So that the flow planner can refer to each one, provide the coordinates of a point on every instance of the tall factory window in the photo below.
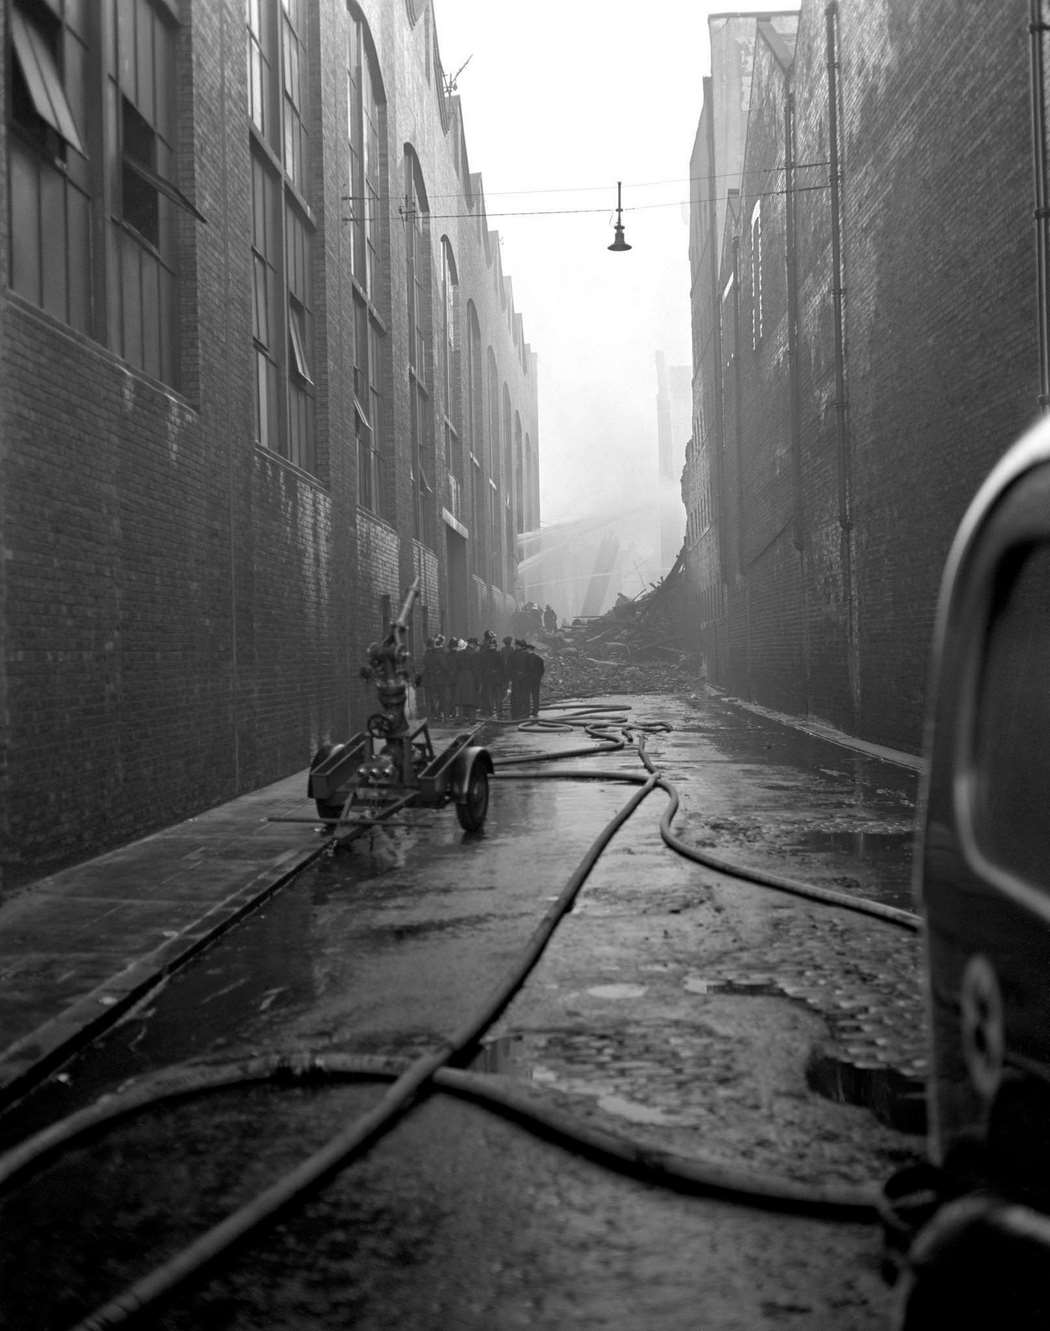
(506, 572)
(50, 175)
(282, 232)
(365, 128)
(450, 398)
(494, 537)
(475, 397)
(417, 232)
(527, 491)
(92, 170)
(756, 274)
(728, 334)
(142, 236)
(492, 432)
(519, 477)
(365, 124)
(504, 464)
(477, 518)
(367, 407)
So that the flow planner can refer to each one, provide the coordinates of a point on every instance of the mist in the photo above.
(560, 101)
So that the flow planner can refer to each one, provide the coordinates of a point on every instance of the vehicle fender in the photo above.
(462, 768)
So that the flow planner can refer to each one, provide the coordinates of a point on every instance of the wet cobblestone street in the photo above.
(694, 1012)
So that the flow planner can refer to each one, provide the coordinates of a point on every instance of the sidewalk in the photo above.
(78, 948)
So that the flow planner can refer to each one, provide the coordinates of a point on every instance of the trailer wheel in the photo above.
(471, 813)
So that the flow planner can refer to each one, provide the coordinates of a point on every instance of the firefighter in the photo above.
(533, 667)
(434, 676)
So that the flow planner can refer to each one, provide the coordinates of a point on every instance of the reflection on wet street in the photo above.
(710, 1016)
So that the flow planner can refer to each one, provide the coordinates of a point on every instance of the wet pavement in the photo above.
(696, 1012)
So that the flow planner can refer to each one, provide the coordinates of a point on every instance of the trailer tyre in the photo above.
(471, 812)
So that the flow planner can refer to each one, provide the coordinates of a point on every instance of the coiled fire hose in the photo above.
(436, 1069)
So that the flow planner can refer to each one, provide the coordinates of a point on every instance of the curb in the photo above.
(819, 730)
(29, 1060)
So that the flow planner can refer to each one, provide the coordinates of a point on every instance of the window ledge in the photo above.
(99, 349)
(315, 481)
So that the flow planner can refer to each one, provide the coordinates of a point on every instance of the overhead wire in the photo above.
(635, 184)
(565, 212)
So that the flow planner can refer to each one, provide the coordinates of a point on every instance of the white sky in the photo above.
(561, 99)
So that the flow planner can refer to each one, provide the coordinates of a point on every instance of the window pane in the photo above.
(79, 222)
(145, 94)
(361, 352)
(365, 495)
(36, 60)
(168, 361)
(25, 222)
(256, 86)
(53, 238)
(126, 45)
(131, 302)
(163, 75)
(260, 303)
(297, 337)
(150, 360)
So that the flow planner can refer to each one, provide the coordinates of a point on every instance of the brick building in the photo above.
(259, 368)
(865, 337)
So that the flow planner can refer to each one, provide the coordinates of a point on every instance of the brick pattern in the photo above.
(184, 614)
(831, 573)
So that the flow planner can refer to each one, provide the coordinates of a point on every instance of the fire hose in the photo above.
(436, 1069)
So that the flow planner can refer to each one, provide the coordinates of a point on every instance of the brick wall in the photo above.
(831, 568)
(184, 613)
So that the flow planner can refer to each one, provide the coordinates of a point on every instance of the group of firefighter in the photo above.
(465, 678)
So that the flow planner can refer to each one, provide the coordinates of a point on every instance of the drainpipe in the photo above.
(714, 251)
(845, 495)
(1037, 27)
(738, 436)
(738, 403)
(795, 386)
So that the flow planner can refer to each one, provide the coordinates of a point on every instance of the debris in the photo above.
(639, 646)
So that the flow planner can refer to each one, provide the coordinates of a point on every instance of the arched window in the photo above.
(529, 492)
(475, 432)
(519, 477)
(420, 339)
(491, 443)
(451, 396)
(365, 130)
(504, 441)
(474, 382)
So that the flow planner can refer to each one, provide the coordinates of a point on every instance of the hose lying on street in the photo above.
(353, 1140)
(826, 896)
(436, 1069)
(617, 1150)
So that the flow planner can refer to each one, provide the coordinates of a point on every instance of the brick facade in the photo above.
(185, 610)
(841, 447)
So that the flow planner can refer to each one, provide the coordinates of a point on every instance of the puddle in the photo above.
(617, 991)
(632, 1111)
(897, 1100)
(762, 986)
(510, 1055)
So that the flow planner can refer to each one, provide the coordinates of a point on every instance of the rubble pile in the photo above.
(639, 646)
